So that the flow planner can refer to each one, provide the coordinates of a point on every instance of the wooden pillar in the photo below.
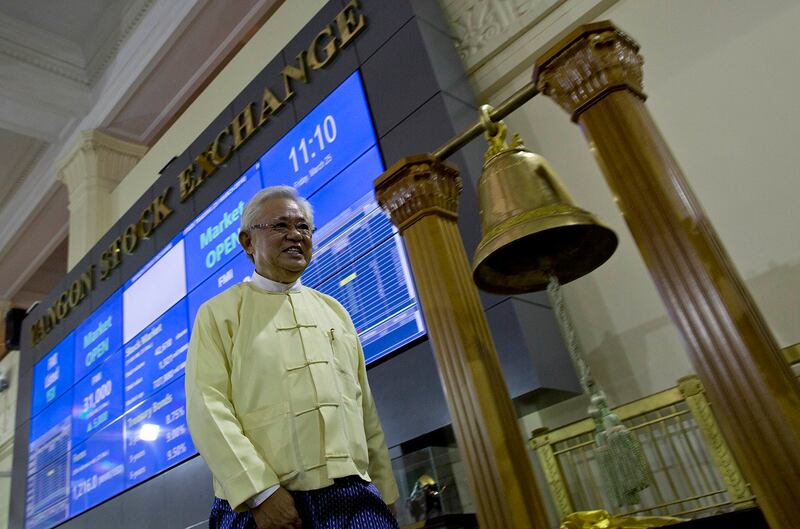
(595, 74)
(421, 196)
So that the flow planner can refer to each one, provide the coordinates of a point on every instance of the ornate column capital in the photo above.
(91, 170)
(98, 159)
(418, 186)
(588, 64)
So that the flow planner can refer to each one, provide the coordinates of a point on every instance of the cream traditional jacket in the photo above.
(277, 392)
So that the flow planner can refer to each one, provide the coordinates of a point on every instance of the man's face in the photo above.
(280, 250)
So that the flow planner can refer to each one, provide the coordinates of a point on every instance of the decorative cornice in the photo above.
(33, 154)
(480, 28)
(136, 57)
(33, 45)
(98, 64)
(31, 194)
(596, 59)
(36, 257)
(418, 186)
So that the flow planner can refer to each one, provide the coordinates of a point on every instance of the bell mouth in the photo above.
(522, 253)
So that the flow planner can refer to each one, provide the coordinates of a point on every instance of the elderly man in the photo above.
(277, 397)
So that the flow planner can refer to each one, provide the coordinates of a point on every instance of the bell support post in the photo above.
(420, 193)
(595, 74)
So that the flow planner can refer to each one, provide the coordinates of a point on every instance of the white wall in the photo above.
(721, 78)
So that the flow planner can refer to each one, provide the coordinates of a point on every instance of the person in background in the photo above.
(277, 398)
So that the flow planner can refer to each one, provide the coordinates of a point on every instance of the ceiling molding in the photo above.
(151, 40)
(46, 229)
(114, 41)
(40, 48)
(31, 195)
(21, 170)
(23, 114)
(58, 55)
(35, 259)
(218, 57)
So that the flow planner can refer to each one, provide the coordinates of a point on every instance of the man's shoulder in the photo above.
(330, 301)
(228, 299)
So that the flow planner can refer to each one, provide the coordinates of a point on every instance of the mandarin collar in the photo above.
(273, 286)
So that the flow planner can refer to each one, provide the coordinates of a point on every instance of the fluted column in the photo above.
(421, 196)
(595, 74)
(91, 171)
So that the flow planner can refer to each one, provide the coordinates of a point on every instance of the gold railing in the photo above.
(792, 354)
(692, 470)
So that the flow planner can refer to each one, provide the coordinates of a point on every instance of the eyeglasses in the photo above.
(282, 228)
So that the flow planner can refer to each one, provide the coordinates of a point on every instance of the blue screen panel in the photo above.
(97, 468)
(213, 238)
(349, 187)
(349, 228)
(154, 289)
(401, 328)
(324, 142)
(98, 336)
(375, 291)
(157, 355)
(53, 374)
(156, 434)
(47, 496)
(239, 269)
(98, 399)
(50, 433)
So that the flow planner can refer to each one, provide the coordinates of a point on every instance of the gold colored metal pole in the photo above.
(420, 193)
(517, 99)
(595, 74)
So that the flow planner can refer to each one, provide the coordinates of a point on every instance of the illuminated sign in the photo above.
(97, 399)
(98, 336)
(213, 238)
(52, 375)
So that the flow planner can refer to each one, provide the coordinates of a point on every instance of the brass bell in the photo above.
(532, 229)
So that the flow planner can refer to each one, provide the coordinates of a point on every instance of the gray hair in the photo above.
(253, 208)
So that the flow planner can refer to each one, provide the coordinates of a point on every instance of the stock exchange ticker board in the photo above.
(108, 408)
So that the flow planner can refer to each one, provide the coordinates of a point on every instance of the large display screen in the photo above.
(108, 408)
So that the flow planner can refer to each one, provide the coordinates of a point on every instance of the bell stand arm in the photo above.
(517, 99)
